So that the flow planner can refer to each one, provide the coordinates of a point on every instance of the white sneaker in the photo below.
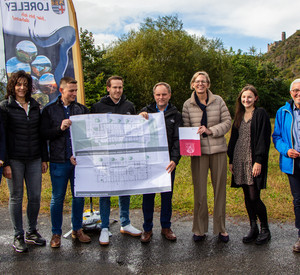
(129, 229)
(104, 237)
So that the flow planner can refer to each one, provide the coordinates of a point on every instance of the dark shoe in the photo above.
(34, 238)
(264, 236)
(82, 237)
(168, 234)
(19, 244)
(296, 247)
(146, 236)
(224, 239)
(199, 238)
(253, 233)
(55, 241)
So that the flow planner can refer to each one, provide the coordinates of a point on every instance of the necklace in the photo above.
(22, 103)
(248, 115)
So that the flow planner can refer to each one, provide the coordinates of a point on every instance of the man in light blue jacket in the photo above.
(286, 138)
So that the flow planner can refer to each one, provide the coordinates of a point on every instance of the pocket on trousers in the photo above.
(57, 170)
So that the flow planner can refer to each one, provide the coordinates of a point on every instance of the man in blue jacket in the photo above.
(286, 138)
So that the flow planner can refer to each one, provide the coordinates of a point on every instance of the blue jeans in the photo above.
(60, 174)
(295, 189)
(124, 202)
(165, 211)
(31, 171)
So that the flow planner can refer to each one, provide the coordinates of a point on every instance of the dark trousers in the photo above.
(295, 189)
(254, 205)
(165, 211)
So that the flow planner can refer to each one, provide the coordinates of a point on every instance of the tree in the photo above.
(95, 68)
(250, 69)
(252, 50)
(2, 84)
(162, 51)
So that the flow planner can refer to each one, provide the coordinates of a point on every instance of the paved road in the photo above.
(127, 255)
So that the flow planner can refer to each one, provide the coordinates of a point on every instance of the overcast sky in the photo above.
(239, 24)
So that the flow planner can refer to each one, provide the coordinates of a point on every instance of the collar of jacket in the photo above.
(153, 109)
(211, 97)
(291, 102)
(12, 102)
(107, 100)
(170, 110)
(60, 102)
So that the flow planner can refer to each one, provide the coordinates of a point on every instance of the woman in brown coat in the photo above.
(210, 114)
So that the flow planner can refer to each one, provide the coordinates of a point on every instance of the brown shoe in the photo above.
(168, 234)
(146, 236)
(55, 241)
(296, 247)
(83, 238)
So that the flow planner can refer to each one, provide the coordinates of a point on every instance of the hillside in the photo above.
(286, 56)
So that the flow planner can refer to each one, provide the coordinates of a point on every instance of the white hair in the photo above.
(295, 81)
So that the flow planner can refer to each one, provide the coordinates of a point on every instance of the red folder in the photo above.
(189, 141)
(190, 147)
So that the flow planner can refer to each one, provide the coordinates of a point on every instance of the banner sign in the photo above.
(38, 39)
(120, 154)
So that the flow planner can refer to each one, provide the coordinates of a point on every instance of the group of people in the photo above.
(29, 139)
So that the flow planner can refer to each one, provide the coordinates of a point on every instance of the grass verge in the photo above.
(277, 197)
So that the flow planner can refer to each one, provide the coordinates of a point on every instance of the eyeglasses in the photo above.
(200, 82)
(295, 91)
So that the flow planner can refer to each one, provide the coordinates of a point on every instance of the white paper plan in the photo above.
(120, 154)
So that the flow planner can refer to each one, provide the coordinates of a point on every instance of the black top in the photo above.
(23, 140)
(260, 145)
(52, 116)
(173, 121)
(106, 105)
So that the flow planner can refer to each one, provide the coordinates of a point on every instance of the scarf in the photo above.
(203, 109)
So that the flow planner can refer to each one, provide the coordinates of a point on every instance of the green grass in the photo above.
(277, 196)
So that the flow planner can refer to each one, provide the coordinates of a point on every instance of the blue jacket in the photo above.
(283, 136)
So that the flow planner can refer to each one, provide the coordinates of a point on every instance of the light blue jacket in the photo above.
(283, 136)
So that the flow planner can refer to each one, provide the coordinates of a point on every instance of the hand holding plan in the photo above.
(144, 115)
(120, 155)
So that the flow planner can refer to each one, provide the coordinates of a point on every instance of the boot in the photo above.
(253, 233)
(264, 236)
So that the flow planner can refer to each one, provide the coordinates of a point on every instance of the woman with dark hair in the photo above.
(248, 152)
(26, 157)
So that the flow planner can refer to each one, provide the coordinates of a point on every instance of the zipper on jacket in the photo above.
(292, 136)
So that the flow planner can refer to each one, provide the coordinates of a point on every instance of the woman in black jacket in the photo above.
(248, 151)
(26, 157)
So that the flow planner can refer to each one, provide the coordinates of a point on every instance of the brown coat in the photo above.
(218, 121)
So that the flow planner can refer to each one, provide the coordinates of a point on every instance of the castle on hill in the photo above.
(276, 43)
